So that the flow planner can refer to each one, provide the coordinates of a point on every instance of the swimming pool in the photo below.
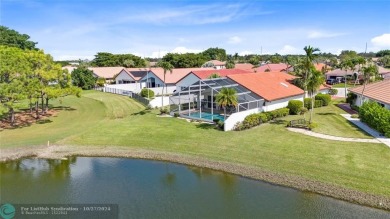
(206, 116)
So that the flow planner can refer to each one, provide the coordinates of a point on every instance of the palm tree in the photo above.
(167, 67)
(308, 64)
(347, 64)
(314, 82)
(368, 72)
(227, 97)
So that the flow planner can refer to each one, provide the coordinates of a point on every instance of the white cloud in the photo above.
(289, 50)
(180, 50)
(234, 40)
(382, 40)
(246, 52)
(323, 34)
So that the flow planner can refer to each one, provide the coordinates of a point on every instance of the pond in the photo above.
(154, 189)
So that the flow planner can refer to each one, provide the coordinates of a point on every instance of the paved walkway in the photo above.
(347, 108)
(367, 129)
(331, 137)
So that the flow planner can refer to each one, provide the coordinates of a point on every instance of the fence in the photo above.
(127, 93)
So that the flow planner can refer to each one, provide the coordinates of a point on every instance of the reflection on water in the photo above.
(151, 189)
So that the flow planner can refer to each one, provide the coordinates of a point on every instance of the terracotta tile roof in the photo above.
(379, 91)
(204, 74)
(244, 66)
(383, 70)
(106, 72)
(176, 75)
(272, 67)
(269, 85)
(321, 66)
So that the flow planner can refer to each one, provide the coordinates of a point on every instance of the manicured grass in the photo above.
(341, 85)
(108, 119)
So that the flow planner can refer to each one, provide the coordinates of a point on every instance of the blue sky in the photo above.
(79, 29)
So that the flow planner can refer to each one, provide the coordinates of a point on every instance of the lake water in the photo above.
(154, 189)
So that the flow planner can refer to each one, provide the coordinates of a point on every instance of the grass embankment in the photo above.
(108, 119)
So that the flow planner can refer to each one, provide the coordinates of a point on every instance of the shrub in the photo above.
(333, 91)
(176, 114)
(251, 120)
(376, 117)
(307, 103)
(325, 98)
(295, 106)
(351, 97)
(355, 116)
(256, 119)
(164, 110)
(354, 107)
(144, 92)
(220, 124)
(303, 110)
(318, 103)
(263, 118)
(312, 126)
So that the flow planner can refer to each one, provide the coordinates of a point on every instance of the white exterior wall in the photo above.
(133, 87)
(187, 81)
(238, 117)
(277, 104)
(167, 90)
(123, 76)
(158, 81)
(365, 99)
(156, 102)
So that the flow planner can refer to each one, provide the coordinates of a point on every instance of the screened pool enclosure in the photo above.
(198, 101)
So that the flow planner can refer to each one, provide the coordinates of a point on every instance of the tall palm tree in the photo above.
(368, 72)
(227, 97)
(314, 82)
(347, 64)
(308, 65)
(167, 67)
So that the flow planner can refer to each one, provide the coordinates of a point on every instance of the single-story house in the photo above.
(256, 92)
(214, 64)
(377, 91)
(340, 73)
(130, 75)
(196, 75)
(384, 72)
(107, 73)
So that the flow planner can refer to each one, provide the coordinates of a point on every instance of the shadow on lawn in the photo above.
(326, 114)
(143, 112)
(66, 108)
(206, 126)
(279, 122)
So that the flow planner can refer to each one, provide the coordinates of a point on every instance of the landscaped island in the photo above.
(101, 124)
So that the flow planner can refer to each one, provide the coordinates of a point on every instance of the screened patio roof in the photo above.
(243, 94)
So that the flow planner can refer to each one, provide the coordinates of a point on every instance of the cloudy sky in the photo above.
(80, 28)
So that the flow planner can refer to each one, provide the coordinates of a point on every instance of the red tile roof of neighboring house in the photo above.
(379, 91)
(272, 67)
(244, 66)
(322, 66)
(269, 85)
(204, 74)
(217, 62)
(176, 75)
(106, 72)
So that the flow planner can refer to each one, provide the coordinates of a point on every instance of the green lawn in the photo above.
(108, 119)
(341, 85)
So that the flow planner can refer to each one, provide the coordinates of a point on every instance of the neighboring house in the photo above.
(384, 72)
(130, 75)
(340, 73)
(280, 67)
(377, 91)
(197, 75)
(256, 92)
(214, 64)
(244, 66)
(322, 67)
(107, 73)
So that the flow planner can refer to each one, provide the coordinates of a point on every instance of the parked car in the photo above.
(331, 81)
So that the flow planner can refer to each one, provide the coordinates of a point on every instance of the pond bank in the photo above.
(59, 152)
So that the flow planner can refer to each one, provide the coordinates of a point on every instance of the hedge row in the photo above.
(376, 117)
(256, 119)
